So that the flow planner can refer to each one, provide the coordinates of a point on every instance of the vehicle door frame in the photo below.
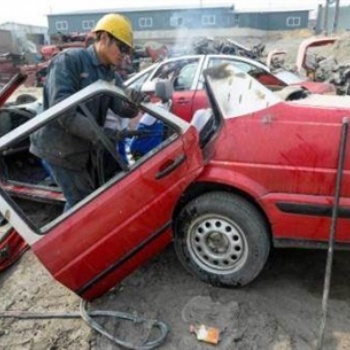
(18, 219)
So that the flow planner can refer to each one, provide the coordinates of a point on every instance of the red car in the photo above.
(185, 73)
(251, 173)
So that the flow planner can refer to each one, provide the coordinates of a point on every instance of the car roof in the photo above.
(238, 58)
(189, 57)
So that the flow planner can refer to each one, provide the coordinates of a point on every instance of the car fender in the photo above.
(220, 173)
(217, 177)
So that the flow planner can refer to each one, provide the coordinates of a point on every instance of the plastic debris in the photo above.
(206, 334)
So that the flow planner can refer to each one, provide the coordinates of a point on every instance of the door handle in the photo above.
(170, 166)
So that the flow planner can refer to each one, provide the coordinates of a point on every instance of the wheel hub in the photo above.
(217, 244)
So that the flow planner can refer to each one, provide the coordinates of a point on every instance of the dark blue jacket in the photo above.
(68, 141)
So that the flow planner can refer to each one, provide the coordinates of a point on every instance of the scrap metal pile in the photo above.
(316, 66)
(10, 64)
(227, 47)
(327, 69)
(142, 56)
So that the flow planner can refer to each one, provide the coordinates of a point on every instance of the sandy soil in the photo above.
(279, 311)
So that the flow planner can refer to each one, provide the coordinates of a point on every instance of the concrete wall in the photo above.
(290, 20)
(191, 19)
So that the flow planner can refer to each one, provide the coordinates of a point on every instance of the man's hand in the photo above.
(136, 96)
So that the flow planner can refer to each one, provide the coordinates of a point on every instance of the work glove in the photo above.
(136, 96)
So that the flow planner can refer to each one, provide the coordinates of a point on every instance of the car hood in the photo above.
(236, 93)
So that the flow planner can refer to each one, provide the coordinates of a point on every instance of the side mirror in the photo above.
(148, 87)
(164, 89)
(161, 88)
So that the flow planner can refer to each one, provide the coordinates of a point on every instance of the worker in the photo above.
(66, 144)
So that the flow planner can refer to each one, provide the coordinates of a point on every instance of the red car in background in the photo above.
(186, 75)
(251, 173)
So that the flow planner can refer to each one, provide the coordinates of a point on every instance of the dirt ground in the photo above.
(281, 310)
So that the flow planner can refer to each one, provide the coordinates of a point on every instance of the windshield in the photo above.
(138, 79)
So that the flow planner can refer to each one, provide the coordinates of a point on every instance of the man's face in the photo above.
(112, 51)
(117, 51)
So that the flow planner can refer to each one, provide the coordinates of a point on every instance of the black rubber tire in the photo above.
(222, 238)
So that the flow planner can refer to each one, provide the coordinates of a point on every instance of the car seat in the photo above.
(152, 131)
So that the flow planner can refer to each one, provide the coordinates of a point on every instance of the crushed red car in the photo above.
(250, 173)
(186, 75)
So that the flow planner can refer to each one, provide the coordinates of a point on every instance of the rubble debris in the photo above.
(209, 45)
(276, 59)
(206, 334)
(315, 66)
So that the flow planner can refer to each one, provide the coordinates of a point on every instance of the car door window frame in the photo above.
(8, 206)
(200, 59)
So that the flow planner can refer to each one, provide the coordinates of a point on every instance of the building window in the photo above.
(176, 21)
(88, 24)
(208, 20)
(293, 21)
(145, 22)
(62, 25)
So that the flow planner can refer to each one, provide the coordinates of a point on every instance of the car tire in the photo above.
(222, 238)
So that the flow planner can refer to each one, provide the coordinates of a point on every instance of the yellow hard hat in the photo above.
(118, 26)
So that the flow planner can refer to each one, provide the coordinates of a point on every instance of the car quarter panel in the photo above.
(285, 157)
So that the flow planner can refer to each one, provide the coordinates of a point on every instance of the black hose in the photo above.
(329, 263)
(87, 317)
(147, 345)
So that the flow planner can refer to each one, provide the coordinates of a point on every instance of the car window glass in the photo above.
(181, 73)
(185, 78)
(121, 145)
(137, 84)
